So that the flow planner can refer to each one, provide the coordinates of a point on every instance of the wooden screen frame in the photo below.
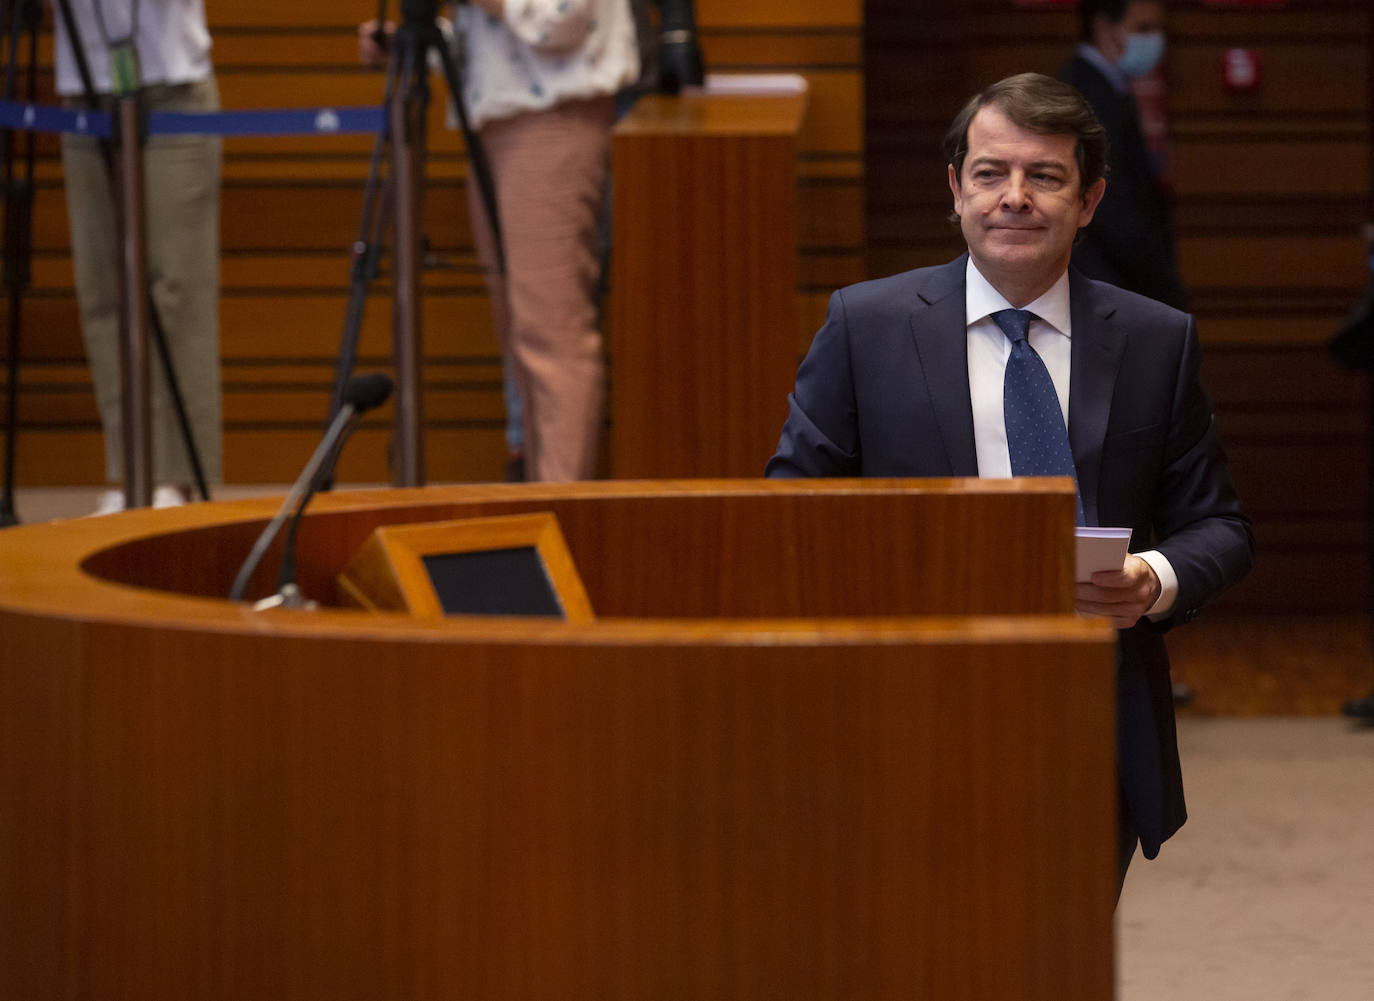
(389, 574)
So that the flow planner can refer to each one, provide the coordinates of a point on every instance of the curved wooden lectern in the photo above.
(830, 739)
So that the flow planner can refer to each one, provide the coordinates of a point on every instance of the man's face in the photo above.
(1020, 204)
(1141, 17)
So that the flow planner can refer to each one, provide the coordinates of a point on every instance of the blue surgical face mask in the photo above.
(1143, 53)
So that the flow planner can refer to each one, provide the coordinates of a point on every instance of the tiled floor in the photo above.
(1267, 893)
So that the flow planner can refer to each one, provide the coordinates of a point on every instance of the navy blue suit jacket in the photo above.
(884, 392)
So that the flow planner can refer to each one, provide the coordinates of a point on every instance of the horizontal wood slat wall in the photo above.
(1273, 187)
(291, 208)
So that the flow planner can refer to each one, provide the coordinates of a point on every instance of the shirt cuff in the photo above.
(1168, 585)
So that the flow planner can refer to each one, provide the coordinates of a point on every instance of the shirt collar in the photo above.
(1103, 65)
(982, 300)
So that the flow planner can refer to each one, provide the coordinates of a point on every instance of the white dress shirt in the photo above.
(173, 42)
(1051, 333)
(988, 351)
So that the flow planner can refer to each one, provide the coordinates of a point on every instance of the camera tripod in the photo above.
(139, 315)
(21, 19)
(398, 202)
(678, 64)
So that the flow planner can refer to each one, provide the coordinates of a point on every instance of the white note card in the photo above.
(1100, 549)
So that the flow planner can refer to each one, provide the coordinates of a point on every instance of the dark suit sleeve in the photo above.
(821, 435)
(1198, 521)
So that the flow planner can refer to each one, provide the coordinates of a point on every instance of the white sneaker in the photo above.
(110, 502)
(170, 496)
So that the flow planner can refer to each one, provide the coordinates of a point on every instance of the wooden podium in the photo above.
(704, 283)
(824, 739)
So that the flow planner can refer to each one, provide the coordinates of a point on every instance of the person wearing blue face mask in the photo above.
(1130, 242)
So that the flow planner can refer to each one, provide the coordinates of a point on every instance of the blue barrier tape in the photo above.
(38, 118)
(292, 122)
(302, 121)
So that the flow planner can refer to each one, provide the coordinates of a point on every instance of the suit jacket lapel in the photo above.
(1098, 343)
(939, 327)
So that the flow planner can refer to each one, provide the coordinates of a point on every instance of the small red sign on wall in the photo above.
(1240, 68)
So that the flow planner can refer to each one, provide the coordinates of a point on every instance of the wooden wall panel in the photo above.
(290, 211)
(1272, 189)
(1240, 165)
(841, 14)
(1299, 260)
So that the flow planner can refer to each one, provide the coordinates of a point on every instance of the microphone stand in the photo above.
(299, 494)
(289, 594)
(361, 394)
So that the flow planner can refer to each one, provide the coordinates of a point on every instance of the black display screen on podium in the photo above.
(493, 582)
(515, 565)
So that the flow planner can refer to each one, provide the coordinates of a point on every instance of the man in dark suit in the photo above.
(906, 378)
(1130, 242)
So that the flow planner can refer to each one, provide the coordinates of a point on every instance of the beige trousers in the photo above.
(182, 185)
(550, 169)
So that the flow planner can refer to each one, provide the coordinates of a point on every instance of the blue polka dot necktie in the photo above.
(1036, 436)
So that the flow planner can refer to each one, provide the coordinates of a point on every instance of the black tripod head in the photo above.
(26, 14)
(423, 11)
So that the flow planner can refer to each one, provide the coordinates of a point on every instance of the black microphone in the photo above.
(367, 391)
(362, 392)
(679, 53)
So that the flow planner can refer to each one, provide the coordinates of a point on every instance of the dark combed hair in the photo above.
(1039, 104)
(1090, 10)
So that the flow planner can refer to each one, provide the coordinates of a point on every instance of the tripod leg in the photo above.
(18, 202)
(183, 221)
(364, 268)
(407, 99)
(477, 156)
(135, 423)
(162, 349)
(407, 121)
(8, 514)
(22, 17)
(366, 251)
